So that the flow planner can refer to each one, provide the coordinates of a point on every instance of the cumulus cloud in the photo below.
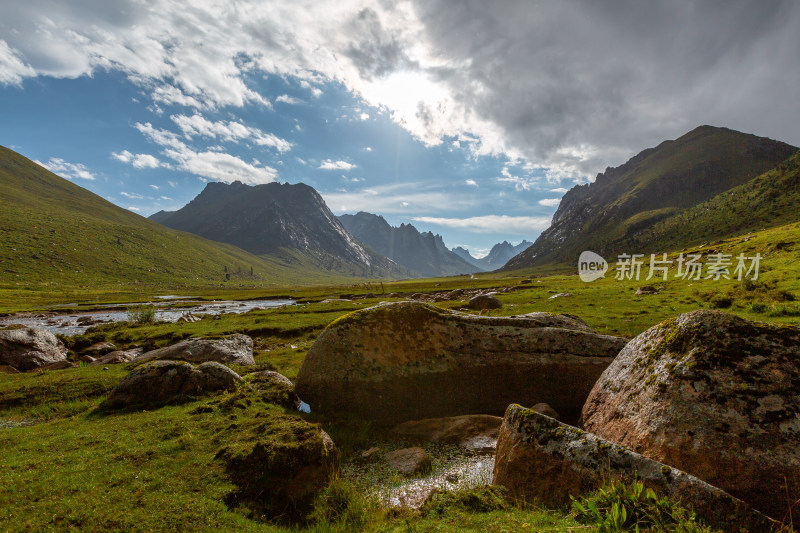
(329, 164)
(569, 87)
(286, 99)
(492, 223)
(227, 131)
(67, 170)
(137, 160)
(133, 196)
(549, 202)
(472, 183)
(398, 198)
(213, 165)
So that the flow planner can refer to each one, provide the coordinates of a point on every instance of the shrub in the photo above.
(142, 314)
(476, 500)
(630, 507)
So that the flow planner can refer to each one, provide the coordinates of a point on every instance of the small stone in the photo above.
(409, 461)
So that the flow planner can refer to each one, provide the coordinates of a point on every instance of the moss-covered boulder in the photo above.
(274, 388)
(541, 459)
(715, 395)
(410, 360)
(162, 382)
(279, 463)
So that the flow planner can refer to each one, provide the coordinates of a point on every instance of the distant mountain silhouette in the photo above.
(278, 220)
(424, 253)
(497, 257)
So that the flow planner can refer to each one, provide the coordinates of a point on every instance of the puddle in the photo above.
(69, 324)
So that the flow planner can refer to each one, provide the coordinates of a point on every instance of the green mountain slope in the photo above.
(55, 233)
(652, 186)
(769, 200)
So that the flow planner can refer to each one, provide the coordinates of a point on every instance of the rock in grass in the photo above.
(30, 348)
(161, 382)
(274, 388)
(118, 356)
(484, 301)
(279, 464)
(715, 395)
(232, 349)
(539, 458)
(476, 433)
(409, 361)
(99, 348)
(409, 461)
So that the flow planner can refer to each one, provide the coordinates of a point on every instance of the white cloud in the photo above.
(12, 67)
(286, 99)
(134, 209)
(472, 183)
(137, 160)
(133, 195)
(228, 131)
(569, 86)
(173, 184)
(364, 116)
(155, 187)
(550, 202)
(167, 198)
(368, 148)
(329, 164)
(389, 199)
(561, 190)
(492, 223)
(67, 170)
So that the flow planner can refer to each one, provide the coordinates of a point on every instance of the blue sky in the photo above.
(467, 122)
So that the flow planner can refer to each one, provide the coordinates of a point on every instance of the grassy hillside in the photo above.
(769, 200)
(55, 235)
(652, 186)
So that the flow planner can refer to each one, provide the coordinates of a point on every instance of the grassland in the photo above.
(65, 466)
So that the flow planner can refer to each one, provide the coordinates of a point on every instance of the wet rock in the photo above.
(280, 466)
(409, 461)
(477, 433)
(409, 361)
(539, 458)
(30, 348)
(189, 318)
(233, 349)
(274, 388)
(545, 409)
(87, 359)
(484, 301)
(715, 395)
(99, 348)
(58, 365)
(161, 382)
(118, 356)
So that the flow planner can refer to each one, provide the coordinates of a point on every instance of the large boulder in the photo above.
(274, 387)
(484, 301)
(162, 382)
(475, 432)
(714, 395)
(541, 459)
(234, 349)
(30, 348)
(409, 461)
(279, 465)
(409, 360)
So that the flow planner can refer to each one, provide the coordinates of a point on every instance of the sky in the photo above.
(462, 117)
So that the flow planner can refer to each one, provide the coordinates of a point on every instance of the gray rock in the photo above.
(30, 348)
(539, 458)
(715, 395)
(99, 348)
(646, 289)
(118, 356)
(409, 361)
(161, 382)
(233, 349)
(484, 301)
(561, 295)
(409, 461)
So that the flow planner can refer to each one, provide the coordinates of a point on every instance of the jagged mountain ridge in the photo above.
(272, 218)
(500, 254)
(424, 253)
(654, 185)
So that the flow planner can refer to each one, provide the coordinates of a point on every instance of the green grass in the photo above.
(156, 470)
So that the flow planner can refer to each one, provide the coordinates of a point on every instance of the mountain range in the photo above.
(614, 214)
(500, 254)
(274, 219)
(424, 253)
